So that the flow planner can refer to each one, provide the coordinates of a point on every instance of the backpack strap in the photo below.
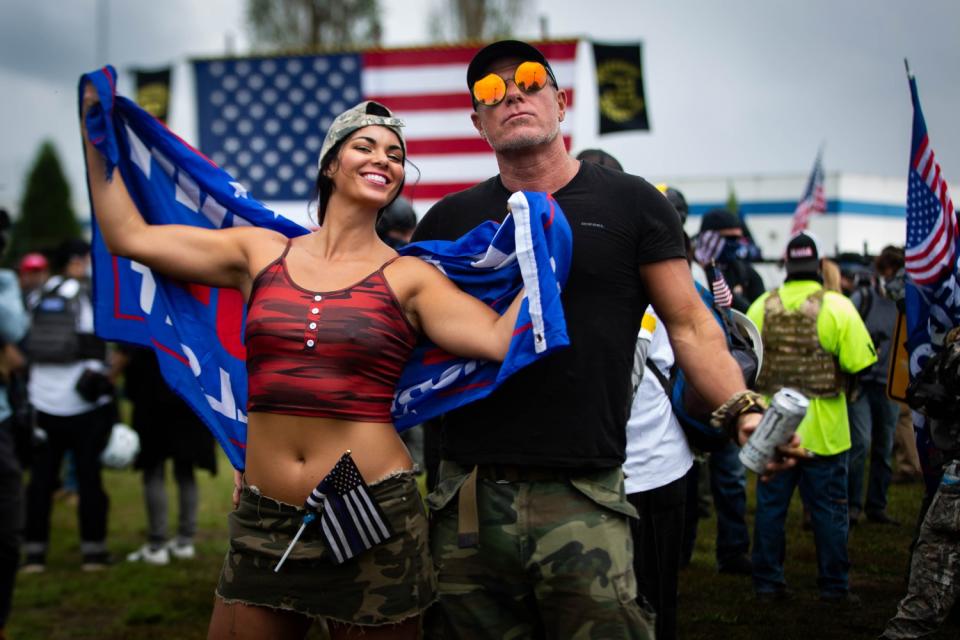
(662, 379)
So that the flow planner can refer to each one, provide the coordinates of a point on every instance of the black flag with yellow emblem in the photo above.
(153, 91)
(620, 88)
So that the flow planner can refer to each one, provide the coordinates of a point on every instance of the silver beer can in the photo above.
(780, 420)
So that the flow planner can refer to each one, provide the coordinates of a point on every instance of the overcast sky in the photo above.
(740, 87)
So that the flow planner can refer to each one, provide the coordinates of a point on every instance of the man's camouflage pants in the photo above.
(935, 567)
(554, 559)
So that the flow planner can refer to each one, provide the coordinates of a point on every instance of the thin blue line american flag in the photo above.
(813, 200)
(931, 249)
(350, 519)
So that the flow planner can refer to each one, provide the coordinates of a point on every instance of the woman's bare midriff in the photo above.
(287, 455)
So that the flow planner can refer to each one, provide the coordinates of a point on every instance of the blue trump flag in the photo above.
(932, 295)
(530, 248)
(197, 331)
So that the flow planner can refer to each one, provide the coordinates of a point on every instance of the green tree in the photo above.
(314, 24)
(46, 216)
(456, 20)
(732, 205)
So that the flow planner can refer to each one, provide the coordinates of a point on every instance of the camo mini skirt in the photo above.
(384, 585)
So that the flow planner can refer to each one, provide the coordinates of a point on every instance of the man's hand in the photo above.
(788, 454)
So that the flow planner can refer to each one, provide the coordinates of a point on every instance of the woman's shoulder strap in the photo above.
(389, 262)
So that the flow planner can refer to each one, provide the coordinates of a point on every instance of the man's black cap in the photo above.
(718, 220)
(803, 254)
(504, 49)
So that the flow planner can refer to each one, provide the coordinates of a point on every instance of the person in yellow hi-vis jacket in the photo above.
(812, 340)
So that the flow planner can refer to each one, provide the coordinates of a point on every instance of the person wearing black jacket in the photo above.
(744, 281)
(168, 430)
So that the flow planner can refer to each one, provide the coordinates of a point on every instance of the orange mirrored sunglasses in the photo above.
(529, 77)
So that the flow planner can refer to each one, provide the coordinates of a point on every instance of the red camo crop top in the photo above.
(334, 354)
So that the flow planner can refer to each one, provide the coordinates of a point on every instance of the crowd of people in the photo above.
(565, 503)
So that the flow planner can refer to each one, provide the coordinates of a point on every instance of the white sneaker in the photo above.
(151, 556)
(182, 551)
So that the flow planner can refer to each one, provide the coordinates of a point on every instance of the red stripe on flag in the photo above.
(445, 146)
(522, 328)
(920, 151)
(437, 146)
(426, 101)
(927, 166)
(170, 351)
(554, 52)
(434, 191)
(939, 262)
(922, 255)
(942, 262)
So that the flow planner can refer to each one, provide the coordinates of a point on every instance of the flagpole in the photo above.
(906, 65)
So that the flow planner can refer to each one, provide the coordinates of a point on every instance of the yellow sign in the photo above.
(618, 95)
(154, 98)
(898, 375)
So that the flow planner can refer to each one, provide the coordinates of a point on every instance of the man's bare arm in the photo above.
(697, 340)
(699, 344)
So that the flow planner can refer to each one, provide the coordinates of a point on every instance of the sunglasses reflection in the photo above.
(529, 77)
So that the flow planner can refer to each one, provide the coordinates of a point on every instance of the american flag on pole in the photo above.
(813, 200)
(722, 296)
(350, 519)
(264, 119)
(932, 301)
(931, 250)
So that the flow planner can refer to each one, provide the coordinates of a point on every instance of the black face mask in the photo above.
(730, 250)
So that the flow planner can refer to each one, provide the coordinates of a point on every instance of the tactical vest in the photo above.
(792, 354)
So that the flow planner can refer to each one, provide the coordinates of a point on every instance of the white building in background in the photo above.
(864, 213)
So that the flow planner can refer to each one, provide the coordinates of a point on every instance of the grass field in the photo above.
(174, 601)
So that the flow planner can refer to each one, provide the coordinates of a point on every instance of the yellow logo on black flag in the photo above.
(153, 91)
(620, 88)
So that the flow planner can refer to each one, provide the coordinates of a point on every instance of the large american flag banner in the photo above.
(813, 200)
(264, 119)
(197, 331)
(932, 291)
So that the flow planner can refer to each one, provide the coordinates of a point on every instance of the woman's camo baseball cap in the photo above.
(365, 114)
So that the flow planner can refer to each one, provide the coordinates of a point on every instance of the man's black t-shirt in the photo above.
(570, 408)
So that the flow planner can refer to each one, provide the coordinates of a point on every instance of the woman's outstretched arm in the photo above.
(219, 258)
(454, 320)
